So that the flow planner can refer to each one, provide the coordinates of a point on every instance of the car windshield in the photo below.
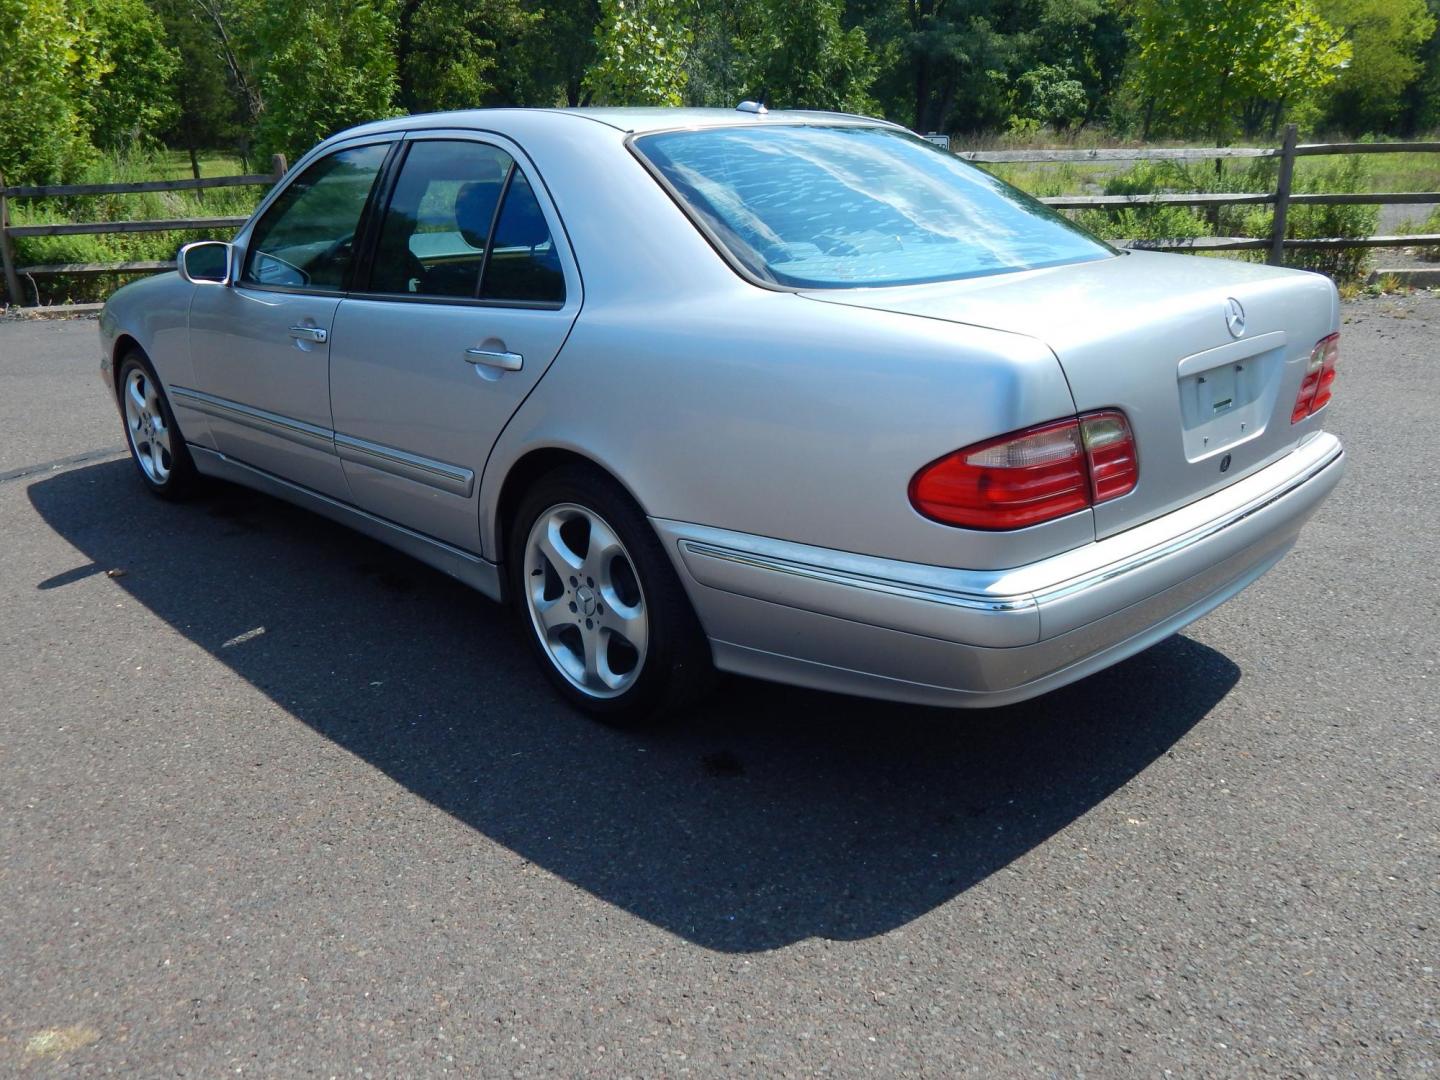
(846, 206)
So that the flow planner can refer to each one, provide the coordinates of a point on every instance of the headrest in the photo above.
(522, 224)
(475, 209)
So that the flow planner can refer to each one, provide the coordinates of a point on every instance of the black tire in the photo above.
(175, 476)
(675, 670)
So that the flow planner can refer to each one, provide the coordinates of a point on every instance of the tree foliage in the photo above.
(328, 64)
(42, 134)
(77, 76)
(1385, 37)
(451, 52)
(797, 54)
(130, 100)
(639, 53)
(1201, 65)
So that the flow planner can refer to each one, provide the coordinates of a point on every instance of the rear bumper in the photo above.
(939, 636)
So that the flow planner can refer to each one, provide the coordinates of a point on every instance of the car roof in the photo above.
(628, 121)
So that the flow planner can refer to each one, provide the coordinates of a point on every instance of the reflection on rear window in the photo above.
(836, 207)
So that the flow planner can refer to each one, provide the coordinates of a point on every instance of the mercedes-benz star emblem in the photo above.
(1234, 317)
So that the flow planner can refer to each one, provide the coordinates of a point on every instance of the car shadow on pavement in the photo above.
(770, 816)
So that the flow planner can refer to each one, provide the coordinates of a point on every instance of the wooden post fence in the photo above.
(1274, 246)
(11, 273)
(1282, 197)
(7, 249)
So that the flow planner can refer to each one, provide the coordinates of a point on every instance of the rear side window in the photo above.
(438, 223)
(306, 240)
(463, 223)
(815, 206)
(523, 263)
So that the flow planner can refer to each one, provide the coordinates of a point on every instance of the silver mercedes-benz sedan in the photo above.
(794, 395)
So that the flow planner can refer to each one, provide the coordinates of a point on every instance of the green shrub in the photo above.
(1154, 223)
(1313, 222)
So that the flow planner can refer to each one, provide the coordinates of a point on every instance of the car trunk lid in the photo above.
(1204, 356)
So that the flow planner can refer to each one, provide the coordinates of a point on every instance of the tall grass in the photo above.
(122, 247)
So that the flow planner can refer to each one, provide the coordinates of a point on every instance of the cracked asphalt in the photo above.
(276, 800)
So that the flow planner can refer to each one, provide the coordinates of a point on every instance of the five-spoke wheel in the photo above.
(601, 602)
(145, 425)
(155, 443)
(585, 600)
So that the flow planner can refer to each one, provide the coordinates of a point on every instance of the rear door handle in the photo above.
(309, 333)
(496, 358)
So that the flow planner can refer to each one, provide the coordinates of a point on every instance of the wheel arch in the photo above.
(124, 342)
(523, 474)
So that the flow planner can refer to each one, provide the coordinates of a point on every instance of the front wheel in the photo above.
(601, 604)
(155, 443)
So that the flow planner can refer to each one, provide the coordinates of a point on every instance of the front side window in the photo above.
(841, 207)
(306, 240)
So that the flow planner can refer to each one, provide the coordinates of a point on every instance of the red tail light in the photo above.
(1030, 476)
(1319, 377)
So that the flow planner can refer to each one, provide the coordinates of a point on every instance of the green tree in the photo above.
(235, 28)
(327, 65)
(797, 54)
(1204, 66)
(713, 69)
(1386, 37)
(640, 48)
(43, 134)
(558, 53)
(958, 56)
(1050, 94)
(131, 100)
(1421, 106)
(451, 51)
(208, 113)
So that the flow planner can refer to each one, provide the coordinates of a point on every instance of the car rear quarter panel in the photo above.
(722, 403)
(761, 412)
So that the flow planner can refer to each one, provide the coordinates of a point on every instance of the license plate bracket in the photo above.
(1227, 395)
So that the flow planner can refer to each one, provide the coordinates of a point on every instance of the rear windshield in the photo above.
(839, 207)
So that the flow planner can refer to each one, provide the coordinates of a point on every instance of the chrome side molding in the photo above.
(421, 470)
(452, 479)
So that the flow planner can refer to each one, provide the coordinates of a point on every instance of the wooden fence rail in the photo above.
(8, 232)
(1282, 198)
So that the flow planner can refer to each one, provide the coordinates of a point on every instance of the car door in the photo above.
(261, 348)
(469, 294)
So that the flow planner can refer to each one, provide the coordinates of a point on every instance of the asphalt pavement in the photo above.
(276, 800)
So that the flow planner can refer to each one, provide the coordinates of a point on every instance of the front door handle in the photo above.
(496, 358)
(309, 333)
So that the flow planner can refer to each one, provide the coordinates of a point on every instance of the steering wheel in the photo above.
(341, 248)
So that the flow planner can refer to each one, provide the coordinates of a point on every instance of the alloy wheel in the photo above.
(145, 426)
(585, 600)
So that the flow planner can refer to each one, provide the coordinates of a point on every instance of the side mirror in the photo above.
(205, 262)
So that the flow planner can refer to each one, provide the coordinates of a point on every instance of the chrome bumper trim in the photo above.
(950, 598)
(1191, 538)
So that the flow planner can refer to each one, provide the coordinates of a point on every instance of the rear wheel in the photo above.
(601, 604)
(156, 446)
